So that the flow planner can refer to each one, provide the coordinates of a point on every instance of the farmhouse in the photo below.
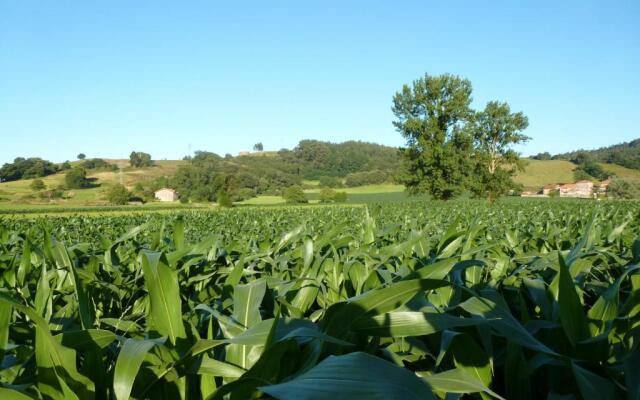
(547, 190)
(166, 194)
(583, 189)
(604, 186)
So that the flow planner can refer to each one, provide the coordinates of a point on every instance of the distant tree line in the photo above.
(317, 158)
(27, 168)
(626, 154)
(334, 164)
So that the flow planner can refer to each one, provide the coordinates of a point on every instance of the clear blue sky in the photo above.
(164, 77)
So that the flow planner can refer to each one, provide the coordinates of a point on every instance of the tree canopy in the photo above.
(451, 148)
(495, 130)
(118, 195)
(431, 115)
(27, 168)
(140, 159)
(76, 178)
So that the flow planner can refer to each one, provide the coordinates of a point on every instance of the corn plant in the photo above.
(422, 300)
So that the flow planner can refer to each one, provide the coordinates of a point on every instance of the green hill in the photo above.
(18, 193)
(543, 172)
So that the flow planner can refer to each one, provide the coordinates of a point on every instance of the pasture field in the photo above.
(520, 299)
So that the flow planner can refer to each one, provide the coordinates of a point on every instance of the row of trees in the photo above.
(451, 148)
(35, 167)
(626, 154)
(27, 168)
(588, 169)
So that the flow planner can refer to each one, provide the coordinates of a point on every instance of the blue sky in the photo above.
(167, 77)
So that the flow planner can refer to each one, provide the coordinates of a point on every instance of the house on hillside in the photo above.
(582, 189)
(244, 153)
(547, 190)
(603, 187)
(166, 194)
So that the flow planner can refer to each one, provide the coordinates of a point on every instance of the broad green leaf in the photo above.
(501, 320)
(55, 362)
(130, 359)
(571, 311)
(341, 316)
(164, 294)
(10, 394)
(352, 376)
(592, 386)
(457, 381)
(86, 340)
(409, 323)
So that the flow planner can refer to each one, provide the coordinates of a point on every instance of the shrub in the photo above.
(294, 194)
(37, 184)
(623, 189)
(340, 197)
(327, 195)
(243, 194)
(118, 195)
(366, 178)
(330, 182)
(223, 199)
(52, 194)
(76, 178)
(100, 164)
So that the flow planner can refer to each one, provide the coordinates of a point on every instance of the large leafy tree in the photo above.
(431, 114)
(139, 159)
(495, 130)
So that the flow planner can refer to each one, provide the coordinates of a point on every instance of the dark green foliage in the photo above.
(223, 199)
(118, 195)
(418, 300)
(450, 148)
(366, 178)
(26, 168)
(340, 197)
(430, 115)
(76, 178)
(294, 194)
(241, 178)
(495, 130)
(139, 159)
(330, 182)
(314, 158)
(327, 195)
(37, 184)
(81, 156)
(99, 164)
(624, 189)
(590, 170)
(580, 175)
(587, 167)
(542, 156)
(258, 146)
(626, 154)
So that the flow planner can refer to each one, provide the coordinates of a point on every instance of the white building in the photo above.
(166, 194)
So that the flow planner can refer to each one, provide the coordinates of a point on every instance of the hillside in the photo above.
(542, 172)
(15, 193)
(626, 154)
(19, 192)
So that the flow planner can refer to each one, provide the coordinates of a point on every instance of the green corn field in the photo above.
(417, 300)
